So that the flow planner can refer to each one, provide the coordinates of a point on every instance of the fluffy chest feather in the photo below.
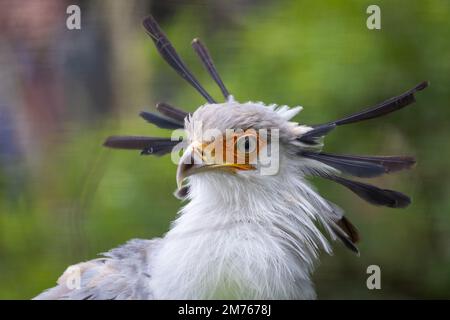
(228, 243)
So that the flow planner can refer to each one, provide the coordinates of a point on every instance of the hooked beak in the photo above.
(192, 163)
(189, 164)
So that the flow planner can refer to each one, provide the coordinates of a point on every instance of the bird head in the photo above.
(259, 142)
(240, 140)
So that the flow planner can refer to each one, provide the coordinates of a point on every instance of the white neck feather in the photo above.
(242, 237)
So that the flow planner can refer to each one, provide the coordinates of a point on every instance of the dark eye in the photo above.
(246, 144)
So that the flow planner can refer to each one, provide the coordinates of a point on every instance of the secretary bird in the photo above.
(242, 234)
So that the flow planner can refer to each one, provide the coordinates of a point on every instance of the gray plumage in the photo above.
(122, 273)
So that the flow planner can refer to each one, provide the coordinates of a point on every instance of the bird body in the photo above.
(243, 236)
(244, 232)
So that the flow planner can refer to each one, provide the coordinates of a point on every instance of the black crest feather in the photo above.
(374, 195)
(172, 112)
(169, 54)
(159, 121)
(379, 110)
(207, 61)
(147, 145)
(362, 166)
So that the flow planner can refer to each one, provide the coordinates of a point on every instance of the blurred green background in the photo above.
(64, 198)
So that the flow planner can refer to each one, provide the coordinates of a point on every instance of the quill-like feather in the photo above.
(349, 229)
(159, 121)
(374, 195)
(362, 166)
(344, 237)
(385, 107)
(207, 61)
(148, 145)
(358, 168)
(169, 54)
(381, 109)
(172, 112)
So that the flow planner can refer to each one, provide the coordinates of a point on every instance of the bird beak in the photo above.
(189, 164)
(192, 162)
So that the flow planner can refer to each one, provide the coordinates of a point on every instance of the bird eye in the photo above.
(246, 144)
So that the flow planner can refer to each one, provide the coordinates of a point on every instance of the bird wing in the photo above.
(122, 273)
